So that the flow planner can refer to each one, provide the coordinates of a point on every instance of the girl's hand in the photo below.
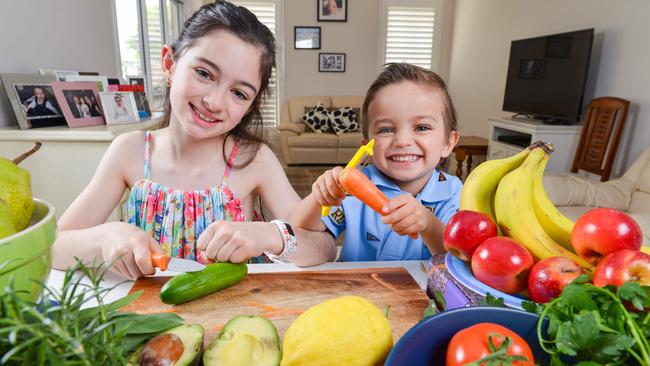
(131, 250)
(327, 189)
(236, 242)
(405, 215)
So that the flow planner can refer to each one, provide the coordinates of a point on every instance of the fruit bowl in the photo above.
(25, 256)
(462, 272)
(426, 343)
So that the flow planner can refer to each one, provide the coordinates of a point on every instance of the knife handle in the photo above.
(160, 260)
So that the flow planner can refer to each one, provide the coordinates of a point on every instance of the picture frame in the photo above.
(80, 103)
(332, 10)
(119, 107)
(101, 81)
(137, 80)
(142, 104)
(59, 74)
(331, 62)
(306, 38)
(21, 88)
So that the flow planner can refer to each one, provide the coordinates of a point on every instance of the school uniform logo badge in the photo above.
(337, 216)
(371, 237)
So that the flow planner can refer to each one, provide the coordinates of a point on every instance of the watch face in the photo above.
(289, 229)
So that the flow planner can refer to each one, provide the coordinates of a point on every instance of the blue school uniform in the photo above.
(368, 239)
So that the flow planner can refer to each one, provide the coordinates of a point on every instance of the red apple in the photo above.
(548, 277)
(502, 263)
(602, 231)
(623, 266)
(465, 231)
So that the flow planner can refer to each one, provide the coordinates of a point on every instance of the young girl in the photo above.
(411, 117)
(193, 183)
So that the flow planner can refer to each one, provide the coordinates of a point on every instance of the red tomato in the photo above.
(471, 344)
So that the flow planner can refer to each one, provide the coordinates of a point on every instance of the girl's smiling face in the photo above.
(213, 84)
(406, 121)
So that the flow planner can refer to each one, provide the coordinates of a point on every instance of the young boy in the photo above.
(409, 113)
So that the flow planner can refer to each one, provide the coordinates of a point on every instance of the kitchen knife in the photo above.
(175, 264)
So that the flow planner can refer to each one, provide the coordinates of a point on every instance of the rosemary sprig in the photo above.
(60, 332)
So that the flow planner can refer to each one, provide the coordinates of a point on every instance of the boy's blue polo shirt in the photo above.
(368, 239)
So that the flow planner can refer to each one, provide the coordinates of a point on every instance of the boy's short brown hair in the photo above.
(397, 72)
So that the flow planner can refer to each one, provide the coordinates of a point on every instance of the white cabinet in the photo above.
(67, 159)
(508, 136)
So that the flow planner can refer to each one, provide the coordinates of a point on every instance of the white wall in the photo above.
(55, 34)
(357, 38)
(620, 59)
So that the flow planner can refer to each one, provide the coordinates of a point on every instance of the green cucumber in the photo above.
(193, 285)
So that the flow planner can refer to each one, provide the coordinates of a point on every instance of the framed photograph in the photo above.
(331, 62)
(142, 104)
(32, 100)
(306, 38)
(119, 107)
(80, 102)
(137, 80)
(59, 74)
(332, 10)
(101, 81)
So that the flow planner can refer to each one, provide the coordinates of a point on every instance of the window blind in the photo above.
(265, 12)
(409, 35)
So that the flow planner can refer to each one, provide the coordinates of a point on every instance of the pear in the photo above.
(6, 222)
(16, 202)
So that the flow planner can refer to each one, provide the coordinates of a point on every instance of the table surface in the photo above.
(417, 269)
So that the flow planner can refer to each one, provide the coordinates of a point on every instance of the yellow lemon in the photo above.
(347, 330)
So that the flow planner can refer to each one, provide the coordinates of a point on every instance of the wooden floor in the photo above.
(302, 177)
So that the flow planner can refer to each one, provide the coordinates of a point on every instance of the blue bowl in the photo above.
(462, 272)
(426, 343)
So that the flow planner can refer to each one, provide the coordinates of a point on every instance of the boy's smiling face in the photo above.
(406, 121)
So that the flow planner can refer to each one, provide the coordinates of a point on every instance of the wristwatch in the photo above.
(288, 240)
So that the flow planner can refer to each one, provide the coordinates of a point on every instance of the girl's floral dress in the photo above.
(176, 219)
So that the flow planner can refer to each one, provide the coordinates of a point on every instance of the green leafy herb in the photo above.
(498, 355)
(60, 332)
(593, 325)
(436, 305)
(491, 300)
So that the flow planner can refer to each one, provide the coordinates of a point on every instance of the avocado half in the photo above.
(179, 346)
(245, 340)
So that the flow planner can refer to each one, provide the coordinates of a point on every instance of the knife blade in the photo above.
(175, 264)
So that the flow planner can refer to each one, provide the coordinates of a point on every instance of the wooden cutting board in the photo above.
(282, 296)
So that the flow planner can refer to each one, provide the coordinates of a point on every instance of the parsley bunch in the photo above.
(64, 332)
(593, 325)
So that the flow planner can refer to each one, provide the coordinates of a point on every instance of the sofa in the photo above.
(574, 194)
(299, 145)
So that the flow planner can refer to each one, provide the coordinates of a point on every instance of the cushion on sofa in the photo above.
(350, 140)
(315, 140)
(297, 106)
(574, 190)
(318, 119)
(343, 120)
(356, 102)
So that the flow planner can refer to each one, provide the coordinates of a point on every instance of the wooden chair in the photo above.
(601, 132)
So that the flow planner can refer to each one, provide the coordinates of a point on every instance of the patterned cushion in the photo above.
(317, 119)
(344, 120)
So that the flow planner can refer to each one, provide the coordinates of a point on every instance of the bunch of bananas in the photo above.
(510, 191)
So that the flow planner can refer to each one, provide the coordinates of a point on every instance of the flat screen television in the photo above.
(547, 76)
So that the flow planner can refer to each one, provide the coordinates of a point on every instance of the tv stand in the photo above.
(509, 136)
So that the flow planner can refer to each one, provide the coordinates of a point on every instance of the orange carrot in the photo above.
(357, 184)
(160, 260)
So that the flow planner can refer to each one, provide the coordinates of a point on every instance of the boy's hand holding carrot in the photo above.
(406, 216)
(327, 190)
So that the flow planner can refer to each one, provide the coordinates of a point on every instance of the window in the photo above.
(409, 35)
(144, 26)
(265, 12)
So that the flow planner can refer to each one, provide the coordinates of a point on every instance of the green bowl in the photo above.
(25, 257)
